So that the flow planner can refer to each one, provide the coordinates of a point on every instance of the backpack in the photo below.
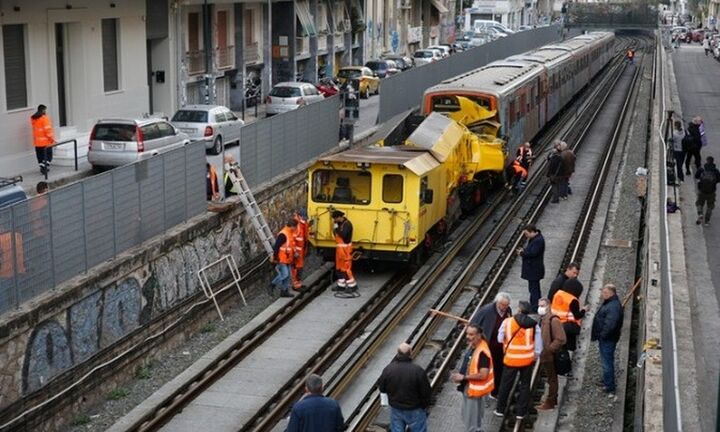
(706, 181)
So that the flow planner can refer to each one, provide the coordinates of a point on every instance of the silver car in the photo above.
(214, 124)
(426, 56)
(116, 142)
(288, 96)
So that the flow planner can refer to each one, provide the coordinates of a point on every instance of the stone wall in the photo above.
(56, 338)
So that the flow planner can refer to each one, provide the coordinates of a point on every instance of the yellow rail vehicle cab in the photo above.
(394, 196)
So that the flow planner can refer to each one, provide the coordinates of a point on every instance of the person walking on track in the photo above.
(283, 257)
(533, 266)
(553, 338)
(521, 338)
(343, 231)
(315, 412)
(475, 378)
(408, 390)
(43, 138)
(554, 166)
(678, 150)
(707, 179)
(566, 305)
(489, 318)
(606, 329)
(301, 237)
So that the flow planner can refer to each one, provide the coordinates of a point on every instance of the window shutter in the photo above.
(15, 68)
(110, 54)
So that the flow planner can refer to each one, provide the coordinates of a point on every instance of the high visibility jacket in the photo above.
(518, 169)
(561, 307)
(8, 258)
(286, 254)
(479, 388)
(42, 131)
(234, 189)
(524, 153)
(519, 344)
(301, 232)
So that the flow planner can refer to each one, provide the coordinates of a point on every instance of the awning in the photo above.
(439, 6)
(302, 10)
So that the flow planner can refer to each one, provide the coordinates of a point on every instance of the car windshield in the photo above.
(285, 92)
(349, 73)
(376, 65)
(190, 116)
(114, 132)
(423, 54)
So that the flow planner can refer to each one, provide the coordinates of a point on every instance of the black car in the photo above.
(403, 63)
(379, 67)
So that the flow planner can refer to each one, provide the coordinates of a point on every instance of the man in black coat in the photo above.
(606, 329)
(489, 318)
(694, 144)
(554, 166)
(533, 266)
(408, 390)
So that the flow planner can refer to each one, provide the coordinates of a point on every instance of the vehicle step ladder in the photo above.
(256, 217)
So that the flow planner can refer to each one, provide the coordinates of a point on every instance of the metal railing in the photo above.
(195, 61)
(225, 57)
(75, 153)
(251, 52)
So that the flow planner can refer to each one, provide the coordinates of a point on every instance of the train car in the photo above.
(401, 197)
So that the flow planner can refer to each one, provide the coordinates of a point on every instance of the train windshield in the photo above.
(449, 103)
(341, 186)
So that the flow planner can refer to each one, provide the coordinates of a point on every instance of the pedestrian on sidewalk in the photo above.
(523, 344)
(707, 179)
(283, 257)
(554, 165)
(43, 138)
(694, 144)
(553, 338)
(567, 169)
(566, 305)
(572, 271)
(533, 266)
(408, 390)
(489, 318)
(475, 378)
(606, 330)
(315, 412)
(678, 149)
(706, 45)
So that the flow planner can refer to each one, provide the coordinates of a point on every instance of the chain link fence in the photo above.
(49, 239)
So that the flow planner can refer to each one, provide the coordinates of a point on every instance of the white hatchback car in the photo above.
(426, 56)
(288, 96)
(443, 49)
(214, 124)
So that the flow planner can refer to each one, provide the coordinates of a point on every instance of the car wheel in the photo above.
(217, 146)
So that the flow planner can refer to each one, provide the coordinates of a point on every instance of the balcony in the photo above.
(225, 57)
(251, 53)
(340, 41)
(302, 46)
(322, 43)
(195, 62)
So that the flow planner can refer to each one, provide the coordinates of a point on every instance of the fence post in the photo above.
(13, 244)
(114, 213)
(50, 236)
(164, 187)
(84, 229)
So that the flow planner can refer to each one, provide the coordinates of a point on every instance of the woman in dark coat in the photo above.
(533, 266)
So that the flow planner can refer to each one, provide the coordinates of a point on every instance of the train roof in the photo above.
(546, 57)
(498, 76)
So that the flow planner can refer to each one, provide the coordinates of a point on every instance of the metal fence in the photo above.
(404, 91)
(49, 239)
(277, 145)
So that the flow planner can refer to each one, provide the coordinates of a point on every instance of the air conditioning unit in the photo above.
(404, 4)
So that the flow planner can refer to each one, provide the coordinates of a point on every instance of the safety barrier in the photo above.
(404, 91)
(49, 239)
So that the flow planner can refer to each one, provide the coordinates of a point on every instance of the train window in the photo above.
(523, 108)
(392, 190)
(513, 112)
(341, 186)
(423, 189)
(449, 103)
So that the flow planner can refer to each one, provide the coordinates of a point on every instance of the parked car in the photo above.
(697, 35)
(465, 43)
(426, 56)
(288, 96)
(393, 68)
(461, 45)
(116, 142)
(379, 67)
(10, 191)
(369, 82)
(214, 124)
(402, 62)
(444, 50)
(327, 87)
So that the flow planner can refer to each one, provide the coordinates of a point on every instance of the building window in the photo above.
(111, 73)
(249, 27)
(15, 67)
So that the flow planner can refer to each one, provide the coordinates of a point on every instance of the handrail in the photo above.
(58, 144)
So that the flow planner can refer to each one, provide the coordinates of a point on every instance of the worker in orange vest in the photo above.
(283, 258)
(211, 183)
(343, 231)
(524, 154)
(522, 340)
(43, 138)
(301, 236)
(475, 378)
(566, 305)
(516, 175)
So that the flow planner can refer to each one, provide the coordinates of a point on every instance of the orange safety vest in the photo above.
(301, 232)
(519, 169)
(42, 131)
(519, 344)
(286, 254)
(213, 180)
(479, 388)
(561, 307)
(7, 263)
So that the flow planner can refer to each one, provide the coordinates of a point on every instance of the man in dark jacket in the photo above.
(408, 389)
(315, 412)
(567, 169)
(606, 329)
(694, 144)
(572, 329)
(489, 318)
(533, 266)
(553, 337)
(708, 177)
(571, 272)
(554, 165)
